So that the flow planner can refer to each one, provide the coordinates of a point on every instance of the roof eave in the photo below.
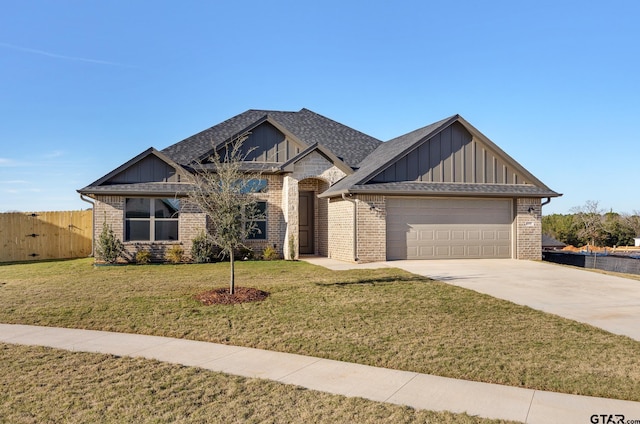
(448, 193)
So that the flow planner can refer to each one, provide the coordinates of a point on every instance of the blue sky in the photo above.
(85, 86)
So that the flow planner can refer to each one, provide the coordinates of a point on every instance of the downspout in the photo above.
(93, 222)
(355, 225)
(546, 202)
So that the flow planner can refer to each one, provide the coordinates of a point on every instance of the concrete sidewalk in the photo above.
(420, 391)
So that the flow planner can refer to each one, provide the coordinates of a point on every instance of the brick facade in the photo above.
(528, 227)
(110, 210)
(341, 230)
(372, 229)
(312, 173)
(334, 223)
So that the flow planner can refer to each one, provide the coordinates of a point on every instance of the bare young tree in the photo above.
(632, 220)
(590, 219)
(225, 193)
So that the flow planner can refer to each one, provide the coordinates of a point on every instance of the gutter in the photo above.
(355, 225)
(93, 223)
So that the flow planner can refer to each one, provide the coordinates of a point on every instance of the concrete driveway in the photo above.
(607, 302)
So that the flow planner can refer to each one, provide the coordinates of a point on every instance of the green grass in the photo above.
(41, 385)
(386, 317)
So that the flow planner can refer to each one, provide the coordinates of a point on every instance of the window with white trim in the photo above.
(149, 219)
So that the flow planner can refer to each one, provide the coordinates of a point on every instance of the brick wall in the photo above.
(372, 228)
(312, 173)
(322, 221)
(192, 222)
(110, 209)
(528, 229)
(341, 230)
(275, 218)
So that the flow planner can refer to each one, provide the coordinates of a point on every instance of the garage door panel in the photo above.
(473, 251)
(488, 235)
(457, 235)
(443, 235)
(428, 228)
(458, 250)
(504, 235)
(503, 251)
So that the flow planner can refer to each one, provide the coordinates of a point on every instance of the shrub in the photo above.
(143, 257)
(108, 248)
(202, 249)
(246, 254)
(174, 254)
(270, 254)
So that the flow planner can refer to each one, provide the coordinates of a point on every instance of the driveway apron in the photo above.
(604, 301)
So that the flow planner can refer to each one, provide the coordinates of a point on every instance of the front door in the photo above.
(305, 222)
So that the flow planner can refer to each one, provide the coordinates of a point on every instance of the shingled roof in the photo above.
(382, 156)
(310, 128)
(392, 150)
(362, 157)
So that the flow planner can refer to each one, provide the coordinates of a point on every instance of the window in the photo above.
(260, 232)
(149, 219)
(256, 186)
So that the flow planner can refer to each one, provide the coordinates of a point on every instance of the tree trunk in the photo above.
(232, 283)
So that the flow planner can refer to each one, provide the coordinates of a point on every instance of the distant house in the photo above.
(441, 191)
(550, 243)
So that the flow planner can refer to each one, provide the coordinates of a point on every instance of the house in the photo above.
(441, 191)
(550, 243)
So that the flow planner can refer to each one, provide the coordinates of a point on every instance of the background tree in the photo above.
(632, 221)
(225, 193)
(563, 228)
(617, 230)
(590, 220)
(588, 224)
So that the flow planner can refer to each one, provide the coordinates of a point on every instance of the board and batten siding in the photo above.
(265, 143)
(451, 156)
(149, 169)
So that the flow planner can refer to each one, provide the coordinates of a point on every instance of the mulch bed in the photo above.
(222, 297)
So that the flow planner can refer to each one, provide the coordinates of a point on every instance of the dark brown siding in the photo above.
(267, 144)
(149, 169)
(451, 156)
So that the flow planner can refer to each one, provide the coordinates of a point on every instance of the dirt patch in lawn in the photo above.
(223, 297)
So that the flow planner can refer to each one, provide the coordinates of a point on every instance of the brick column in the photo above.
(528, 229)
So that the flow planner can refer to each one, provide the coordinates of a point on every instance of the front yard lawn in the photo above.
(42, 385)
(386, 318)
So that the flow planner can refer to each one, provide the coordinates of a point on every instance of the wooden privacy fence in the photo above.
(45, 235)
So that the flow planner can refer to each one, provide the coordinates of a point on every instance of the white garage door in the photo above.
(448, 228)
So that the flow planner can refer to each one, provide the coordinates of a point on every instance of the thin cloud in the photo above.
(54, 154)
(14, 182)
(61, 56)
